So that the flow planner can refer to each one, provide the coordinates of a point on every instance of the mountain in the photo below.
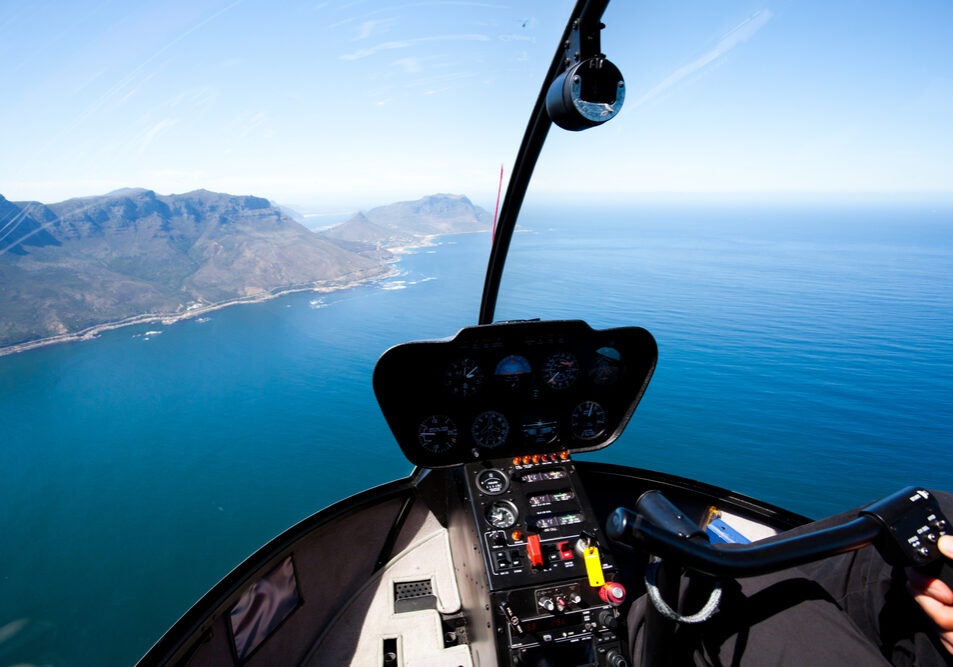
(406, 222)
(84, 262)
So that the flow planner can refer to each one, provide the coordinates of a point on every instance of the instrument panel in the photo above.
(513, 388)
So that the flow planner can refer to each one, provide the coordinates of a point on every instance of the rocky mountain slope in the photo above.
(405, 222)
(68, 266)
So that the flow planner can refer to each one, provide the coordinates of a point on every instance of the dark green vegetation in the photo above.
(77, 264)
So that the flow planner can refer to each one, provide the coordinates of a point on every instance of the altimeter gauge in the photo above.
(588, 420)
(490, 429)
(560, 370)
(437, 434)
(463, 377)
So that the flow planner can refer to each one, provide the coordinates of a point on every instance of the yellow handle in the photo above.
(594, 567)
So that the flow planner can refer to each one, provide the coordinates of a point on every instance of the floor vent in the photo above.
(414, 596)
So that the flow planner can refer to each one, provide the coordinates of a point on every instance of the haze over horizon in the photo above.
(327, 106)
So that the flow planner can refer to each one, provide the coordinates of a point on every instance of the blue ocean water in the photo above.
(805, 358)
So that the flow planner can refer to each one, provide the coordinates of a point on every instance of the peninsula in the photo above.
(72, 269)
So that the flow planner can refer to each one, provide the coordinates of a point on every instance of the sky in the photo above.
(341, 105)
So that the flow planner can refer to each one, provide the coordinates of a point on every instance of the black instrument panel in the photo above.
(513, 389)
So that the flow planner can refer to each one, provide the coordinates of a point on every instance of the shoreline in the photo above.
(91, 333)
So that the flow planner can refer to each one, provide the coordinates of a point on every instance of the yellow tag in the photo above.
(594, 567)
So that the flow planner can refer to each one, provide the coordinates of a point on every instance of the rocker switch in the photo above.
(534, 551)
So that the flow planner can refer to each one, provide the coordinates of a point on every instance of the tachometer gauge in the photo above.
(588, 420)
(560, 370)
(463, 377)
(490, 429)
(437, 434)
(514, 370)
(501, 514)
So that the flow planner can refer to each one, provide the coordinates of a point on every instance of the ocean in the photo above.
(805, 357)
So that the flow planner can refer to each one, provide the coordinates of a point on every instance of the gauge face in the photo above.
(514, 370)
(490, 429)
(492, 482)
(501, 514)
(607, 366)
(560, 370)
(539, 430)
(463, 377)
(588, 420)
(437, 434)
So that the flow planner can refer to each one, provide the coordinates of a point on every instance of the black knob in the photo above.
(616, 659)
(608, 620)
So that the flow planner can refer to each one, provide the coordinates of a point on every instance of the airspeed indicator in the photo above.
(463, 377)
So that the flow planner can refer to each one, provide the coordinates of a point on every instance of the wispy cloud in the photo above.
(410, 5)
(736, 36)
(409, 65)
(517, 38)
(386, 46)
(154, 131)
(245, 123)
(368, 28)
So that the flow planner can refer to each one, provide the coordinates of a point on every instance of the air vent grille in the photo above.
(413, 596)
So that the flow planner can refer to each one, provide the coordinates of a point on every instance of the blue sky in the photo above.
(326, 105)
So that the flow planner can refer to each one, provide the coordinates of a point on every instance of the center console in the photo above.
(552, 594)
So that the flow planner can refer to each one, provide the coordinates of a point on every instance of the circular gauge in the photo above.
(539, 430)
(607, 366)
(492, 482)
(501, 514)
(463, 377)
(560, 370)
(588, 420)
(490, 429)
(437, 434)
(514, 370)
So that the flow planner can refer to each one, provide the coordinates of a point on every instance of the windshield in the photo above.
(773, 203)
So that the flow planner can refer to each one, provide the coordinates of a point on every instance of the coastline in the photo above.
(90, 333)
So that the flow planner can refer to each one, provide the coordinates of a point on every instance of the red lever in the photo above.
(534, 551)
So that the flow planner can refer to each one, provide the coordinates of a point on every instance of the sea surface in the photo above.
(805, 357)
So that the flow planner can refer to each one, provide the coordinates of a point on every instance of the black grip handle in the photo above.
(941, 569)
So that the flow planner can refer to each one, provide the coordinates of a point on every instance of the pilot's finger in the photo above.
(941, 614)
(946, 546)
(922, 584)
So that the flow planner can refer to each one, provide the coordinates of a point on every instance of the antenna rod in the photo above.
(496, 212)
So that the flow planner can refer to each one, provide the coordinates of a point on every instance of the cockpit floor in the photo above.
(368, 626)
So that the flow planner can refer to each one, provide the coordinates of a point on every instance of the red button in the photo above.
(564, 551)
(612, 593)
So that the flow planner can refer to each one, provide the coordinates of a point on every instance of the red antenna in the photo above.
(497, 211)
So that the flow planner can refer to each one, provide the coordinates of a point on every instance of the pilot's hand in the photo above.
(934, 596)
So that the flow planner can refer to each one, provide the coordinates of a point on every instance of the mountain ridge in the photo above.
(72, 268)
